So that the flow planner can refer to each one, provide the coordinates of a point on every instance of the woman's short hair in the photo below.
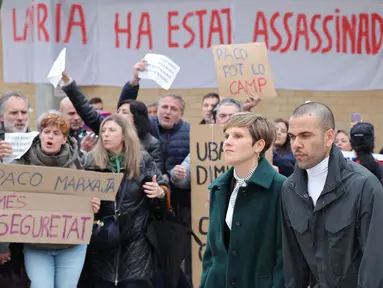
(41, 117)
(132, 147)
(259, 128)
(55, 120)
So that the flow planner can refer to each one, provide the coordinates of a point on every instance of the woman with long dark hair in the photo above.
(283, 158)
(137, 113)
(362, 141)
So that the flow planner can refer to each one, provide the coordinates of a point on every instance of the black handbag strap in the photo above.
(122, 189)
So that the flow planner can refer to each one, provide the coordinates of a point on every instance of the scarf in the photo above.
(65, 158)
(241, 182)
(116, 162)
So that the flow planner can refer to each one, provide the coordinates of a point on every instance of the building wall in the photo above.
(343, 104)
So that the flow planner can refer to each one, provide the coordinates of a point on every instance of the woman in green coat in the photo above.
(244, 247)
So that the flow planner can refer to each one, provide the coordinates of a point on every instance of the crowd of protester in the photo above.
(275, 236)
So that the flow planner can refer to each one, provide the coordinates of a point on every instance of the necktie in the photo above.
(241, 182)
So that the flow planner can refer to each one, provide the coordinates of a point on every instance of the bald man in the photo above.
(332, 210)
(76, 124)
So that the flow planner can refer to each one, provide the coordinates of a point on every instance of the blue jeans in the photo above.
(54, 268)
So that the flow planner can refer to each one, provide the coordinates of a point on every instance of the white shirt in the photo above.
(241, 182)
(317, 179)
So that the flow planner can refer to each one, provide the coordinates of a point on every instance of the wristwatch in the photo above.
(163, 194)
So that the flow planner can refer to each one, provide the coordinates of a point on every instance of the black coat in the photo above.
(133, 260)
(337, 243)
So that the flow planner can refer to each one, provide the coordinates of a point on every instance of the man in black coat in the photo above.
(332, 210)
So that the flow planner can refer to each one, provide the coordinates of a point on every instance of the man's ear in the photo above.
(1, 118)
(330, 137)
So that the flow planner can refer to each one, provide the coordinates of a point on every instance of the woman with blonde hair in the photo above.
(244, 247)
(121, 253)
(50, 265)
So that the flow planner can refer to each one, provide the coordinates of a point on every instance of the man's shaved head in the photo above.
(64, 102)
(70, 114)
(323, 112)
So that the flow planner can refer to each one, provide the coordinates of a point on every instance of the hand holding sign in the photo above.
(96, 203)
(241, 68)
(138, 67)
(5, 257)
(252, 101)
(5, 149)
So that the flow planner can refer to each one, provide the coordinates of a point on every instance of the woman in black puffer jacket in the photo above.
(131, 262)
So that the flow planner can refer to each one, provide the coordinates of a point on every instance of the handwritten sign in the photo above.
(20, 178)
(45, 218)
(51, 205)
(207, 163)
(160, 69)
(20, 142)
(243, 69)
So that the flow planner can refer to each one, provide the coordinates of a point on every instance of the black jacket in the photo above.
(133, 259)
(338, 242)
(93, 120)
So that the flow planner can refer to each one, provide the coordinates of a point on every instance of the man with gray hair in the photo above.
(13, 118)
(229, 106)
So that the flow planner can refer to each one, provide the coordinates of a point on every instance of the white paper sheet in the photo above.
(58, 67)
(160, 69)
(20, 143)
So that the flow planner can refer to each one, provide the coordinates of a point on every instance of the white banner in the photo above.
(313, 45)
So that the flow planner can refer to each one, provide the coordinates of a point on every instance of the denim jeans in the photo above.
(54, 268)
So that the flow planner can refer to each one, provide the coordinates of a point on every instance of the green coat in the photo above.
(254, 257)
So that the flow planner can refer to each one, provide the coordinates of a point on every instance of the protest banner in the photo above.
(299, 35)
(51, 205)
(207, 163)
(243, 69)
(21, 178)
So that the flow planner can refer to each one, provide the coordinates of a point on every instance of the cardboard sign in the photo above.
(207, 163)
(45, 218)
(243, 69)
(51, 205)
(21, 178)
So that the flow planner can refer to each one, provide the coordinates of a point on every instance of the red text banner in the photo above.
(106, 37)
